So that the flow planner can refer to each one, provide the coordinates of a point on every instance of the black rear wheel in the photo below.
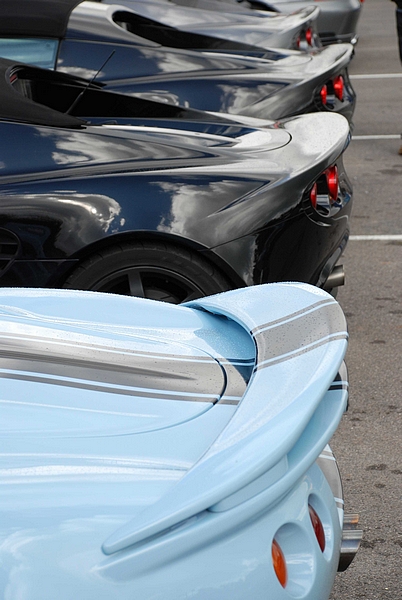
(149, 270)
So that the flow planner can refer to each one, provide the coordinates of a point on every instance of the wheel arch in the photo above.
(147, 236)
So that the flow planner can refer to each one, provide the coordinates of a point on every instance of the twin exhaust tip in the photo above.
(335, 278)
(351, 538)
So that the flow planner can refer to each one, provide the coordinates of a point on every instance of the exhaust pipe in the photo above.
(335, 278)
(351, 538)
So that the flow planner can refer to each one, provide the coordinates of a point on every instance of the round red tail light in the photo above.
(338, 87)
(332, 182)
(278, 560)
(323, 94)
(313, 196)
(318, 528)
(309, 36)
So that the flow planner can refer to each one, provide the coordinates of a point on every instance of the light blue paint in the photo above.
(133, 496)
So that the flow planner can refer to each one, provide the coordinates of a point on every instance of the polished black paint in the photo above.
(70, 207)
(214, 83)
(105, 43)
(233, 194)
(263, 84)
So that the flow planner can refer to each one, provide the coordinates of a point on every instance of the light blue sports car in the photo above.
(159, 452)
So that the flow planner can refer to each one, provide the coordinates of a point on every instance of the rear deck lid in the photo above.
(64, 377)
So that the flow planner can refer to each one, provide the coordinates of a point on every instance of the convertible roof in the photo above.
(15, 106)
(47, 18)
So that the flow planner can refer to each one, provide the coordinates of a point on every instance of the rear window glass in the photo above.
(34, 51)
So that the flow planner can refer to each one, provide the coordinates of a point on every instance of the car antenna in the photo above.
(80, 95)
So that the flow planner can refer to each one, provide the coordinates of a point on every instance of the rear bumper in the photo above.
(337, 19)
(336, 26)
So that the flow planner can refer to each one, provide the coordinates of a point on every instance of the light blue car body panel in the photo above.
(155, 451)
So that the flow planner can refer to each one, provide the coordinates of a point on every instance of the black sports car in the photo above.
(107, 42)
(169, 208)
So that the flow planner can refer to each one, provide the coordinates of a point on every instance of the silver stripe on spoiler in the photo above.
(300, 332)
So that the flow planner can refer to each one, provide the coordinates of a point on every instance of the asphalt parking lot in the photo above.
(368, 442)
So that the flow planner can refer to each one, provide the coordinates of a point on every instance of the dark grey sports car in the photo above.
(264, 29)
(99, 193)
(337, 21)
(107, 42)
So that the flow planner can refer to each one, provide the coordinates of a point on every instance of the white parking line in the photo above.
(376, 238)
(393, 136)
(376, 76)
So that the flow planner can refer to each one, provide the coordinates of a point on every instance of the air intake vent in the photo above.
(9, 247)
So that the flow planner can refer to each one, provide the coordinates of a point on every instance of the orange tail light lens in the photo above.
(318, 528)
(278, 560)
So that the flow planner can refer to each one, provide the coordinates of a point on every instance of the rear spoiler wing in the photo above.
(289, 410)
